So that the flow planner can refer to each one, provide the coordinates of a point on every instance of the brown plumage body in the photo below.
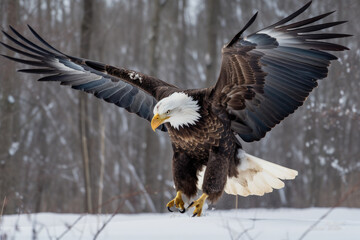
(209, 143)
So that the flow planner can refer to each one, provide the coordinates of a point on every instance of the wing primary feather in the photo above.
(22, 52)
(23, 45)
(32, 63)
(238, 35)
(321, 36)
(324, 46)
(293, 68)
(316, 27)
(50, 78)
(29, 42)
(43, 41)
(307, 52)
(100, 87)
(38, 71)
(290, 17)
(304, 59)
(88, 87)
(107, 93)
(305, 22)
(77, 79)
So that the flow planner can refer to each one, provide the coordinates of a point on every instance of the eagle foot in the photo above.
(177, 202)
(198, 204)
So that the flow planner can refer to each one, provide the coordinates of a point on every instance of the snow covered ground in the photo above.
(341, 223)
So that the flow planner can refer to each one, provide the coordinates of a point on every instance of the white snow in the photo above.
(11, 99)
(13, 148)
(322, 160)
(193, 9)
(341, 170)
(62, 140)
(329, 149)
(341, 223)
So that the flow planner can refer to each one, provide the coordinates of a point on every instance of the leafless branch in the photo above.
(1, 213)
(69, 227)
(246, 231)
(123, 196)
(102, 159)
(107, 221)
(355, 188)
(2, 208)
(126, 197)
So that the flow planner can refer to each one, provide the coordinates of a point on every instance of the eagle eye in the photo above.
(168, 111)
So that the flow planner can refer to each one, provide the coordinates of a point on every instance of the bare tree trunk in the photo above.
(153, 54)
(102, 158)
(9, 126)
(83, 113)
(212, 12)
(182, 46)
(152, 142)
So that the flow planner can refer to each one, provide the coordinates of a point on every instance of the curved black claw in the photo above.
(194, 215)
(192, 203)
(169, 209)
(182, 210)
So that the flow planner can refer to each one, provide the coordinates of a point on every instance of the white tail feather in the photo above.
(255, 176)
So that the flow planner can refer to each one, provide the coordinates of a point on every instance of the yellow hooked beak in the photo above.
(157, 120)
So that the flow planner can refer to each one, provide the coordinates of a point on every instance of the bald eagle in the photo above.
(264, 77)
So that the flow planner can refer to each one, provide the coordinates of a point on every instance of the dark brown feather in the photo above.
(211, 143)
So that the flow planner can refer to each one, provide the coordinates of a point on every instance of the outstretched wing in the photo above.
(267, 75)
(134, 91)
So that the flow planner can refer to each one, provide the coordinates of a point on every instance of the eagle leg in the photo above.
(198, 204)
(177, 202)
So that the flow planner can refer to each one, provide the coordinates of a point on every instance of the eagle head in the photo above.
(178, 109)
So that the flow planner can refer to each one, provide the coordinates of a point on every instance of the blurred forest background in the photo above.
(64, 151)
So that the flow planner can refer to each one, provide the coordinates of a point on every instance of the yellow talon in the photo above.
(178, 202)
(198, 204)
